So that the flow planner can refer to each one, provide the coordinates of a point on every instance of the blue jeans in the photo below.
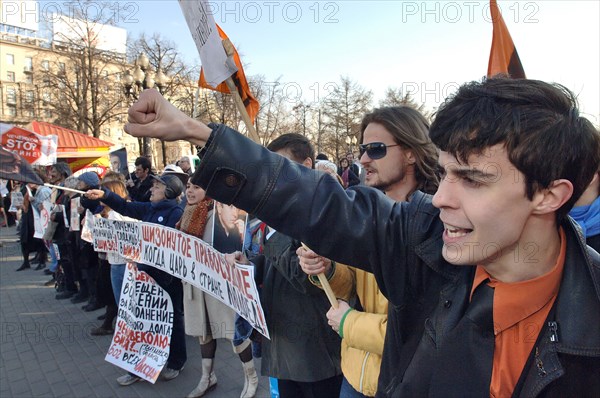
(347, 391)
(117, 273)
(53, 266)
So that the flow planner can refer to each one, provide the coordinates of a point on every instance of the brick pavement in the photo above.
(46, 349)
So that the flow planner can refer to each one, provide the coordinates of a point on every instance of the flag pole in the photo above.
(229, 50)
(326, 286)
(64, 188)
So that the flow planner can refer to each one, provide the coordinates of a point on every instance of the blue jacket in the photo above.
(166, 212)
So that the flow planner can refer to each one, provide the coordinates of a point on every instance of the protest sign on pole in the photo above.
(215, 62)
(186, 257)
(35, 148)
(41, 219)
(142, 336)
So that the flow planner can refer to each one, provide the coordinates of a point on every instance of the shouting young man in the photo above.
(492, 288)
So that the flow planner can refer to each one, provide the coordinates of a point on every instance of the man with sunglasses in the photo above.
(493, 291)
(409, 165)
(397, 154)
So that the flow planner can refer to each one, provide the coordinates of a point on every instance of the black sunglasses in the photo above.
(375, 150)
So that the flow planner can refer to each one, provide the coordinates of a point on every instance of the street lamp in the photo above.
(141, 78)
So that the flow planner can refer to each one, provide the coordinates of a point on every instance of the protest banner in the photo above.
(88, 226)
(118, 237)
(34, 148)
(41, 219)
(188, 258)
(3, 189)
(74, 214)
(142, 336)
(16, 200)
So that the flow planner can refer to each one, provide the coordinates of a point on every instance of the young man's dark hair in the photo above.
(298, 145)
(322, 156)
(144, 162)
(492, 290)
(532, 119)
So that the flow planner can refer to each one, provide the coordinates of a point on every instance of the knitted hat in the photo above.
(90, 179)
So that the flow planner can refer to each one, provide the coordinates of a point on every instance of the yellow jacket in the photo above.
(364, 332)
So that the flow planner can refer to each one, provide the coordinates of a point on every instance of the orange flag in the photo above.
(239, 78)
(503, 55)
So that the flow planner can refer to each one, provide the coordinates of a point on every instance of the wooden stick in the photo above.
(64, 188)
(326, 286)
(229, 50)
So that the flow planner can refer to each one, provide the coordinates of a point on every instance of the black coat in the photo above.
(303, 347)
(401, 244)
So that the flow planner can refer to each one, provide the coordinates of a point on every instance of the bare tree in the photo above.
(395, 97)
(179, 86)
(343, 109)
(273, 117)
(78, 84)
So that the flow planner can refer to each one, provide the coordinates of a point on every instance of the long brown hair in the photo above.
(117, 187)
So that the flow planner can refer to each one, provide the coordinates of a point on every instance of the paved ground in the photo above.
(46, 349)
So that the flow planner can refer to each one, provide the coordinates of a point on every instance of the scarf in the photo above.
(194, 218)
(346, 177)
(588, 217)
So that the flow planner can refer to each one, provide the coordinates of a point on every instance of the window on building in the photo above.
(46, 96)
(28, 78)
(61, 67)
(11, 96)
(12, 111)
(29, 96)
(29, 113)
(47, 113)
(10, 59)
(10, 76)
(28, 63)
(45, 65)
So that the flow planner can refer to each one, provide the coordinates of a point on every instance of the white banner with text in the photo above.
(186, 257)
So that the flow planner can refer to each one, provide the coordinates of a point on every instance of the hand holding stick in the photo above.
(325, 285)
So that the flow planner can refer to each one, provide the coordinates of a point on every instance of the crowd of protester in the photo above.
(316, 350)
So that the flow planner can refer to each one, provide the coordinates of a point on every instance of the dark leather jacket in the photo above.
(401, 244)
(295, 313)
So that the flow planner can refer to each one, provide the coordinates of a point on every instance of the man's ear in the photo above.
(308, 163)
(549, 200)
(410, 156)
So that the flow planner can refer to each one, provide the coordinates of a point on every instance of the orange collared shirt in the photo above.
(520, 310)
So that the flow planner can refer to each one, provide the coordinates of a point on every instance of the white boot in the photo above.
(250, 380)
(208, 380)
